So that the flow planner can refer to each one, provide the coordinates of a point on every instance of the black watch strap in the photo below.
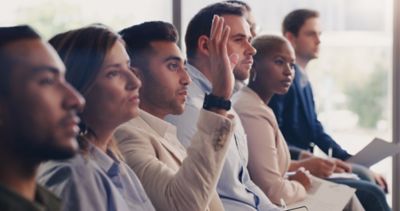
(212, 101)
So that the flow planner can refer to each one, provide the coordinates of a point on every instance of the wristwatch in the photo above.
(212, 101)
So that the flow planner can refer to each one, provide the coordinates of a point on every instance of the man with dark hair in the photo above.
(234, 187)
(38, 118)
(297, 118)
(174, 179)
(242, 74)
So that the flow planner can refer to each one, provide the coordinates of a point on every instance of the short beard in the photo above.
(40, 151)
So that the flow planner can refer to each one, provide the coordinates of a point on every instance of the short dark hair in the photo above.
(241, 3)
(7, 36)
(295, 20)
(139, 37)
(200, 24)
(267, 44)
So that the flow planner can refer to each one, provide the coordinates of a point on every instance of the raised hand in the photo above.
(221, 63)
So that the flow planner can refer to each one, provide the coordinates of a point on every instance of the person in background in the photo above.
(242, 74)
(98, 66)
(38, 118)
(269, 158)
(295, 111)
(175, 179)
(235, 187)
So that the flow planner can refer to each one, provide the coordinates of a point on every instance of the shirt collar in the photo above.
(106, 161)
(199, 78)
(162, 127)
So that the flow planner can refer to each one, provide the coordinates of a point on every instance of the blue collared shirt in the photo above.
(94, 182)
(235, 187)
(123, 178)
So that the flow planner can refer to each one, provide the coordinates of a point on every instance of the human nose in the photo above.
(250, 49)
(133, 82)
(185, 78)
(73, 99)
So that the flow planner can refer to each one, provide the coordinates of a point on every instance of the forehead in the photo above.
(238, 24)
(163, 49)
(311, 24)
(33, 53)
(116, 54)
(288, 51)
(284, 50)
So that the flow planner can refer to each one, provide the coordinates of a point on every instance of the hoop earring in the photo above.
(254, 76)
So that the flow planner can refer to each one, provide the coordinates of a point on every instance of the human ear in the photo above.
(202, 45)
(291, 37)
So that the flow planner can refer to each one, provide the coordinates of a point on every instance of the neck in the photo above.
(302, 62)
(102, 137)
(18, 174)
(264, 95)
(203, 65)
(153, 110)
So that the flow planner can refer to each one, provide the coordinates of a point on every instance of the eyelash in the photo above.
(112, 74)
(279, 62)
(173, 66)
(47, 81)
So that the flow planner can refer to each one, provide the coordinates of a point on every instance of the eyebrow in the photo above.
(44, 68)
(174, 58)
(286, 58)
(241, 35)
(116, 64)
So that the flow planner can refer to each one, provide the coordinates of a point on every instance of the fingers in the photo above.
(234, 58)
(218, 29)
(381, 182)
(329, 163)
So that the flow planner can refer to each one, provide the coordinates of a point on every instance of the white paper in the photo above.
(344, 176)
(325, 195)
(374, 152)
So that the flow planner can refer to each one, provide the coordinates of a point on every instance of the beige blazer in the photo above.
(269, 157)
(176, 179)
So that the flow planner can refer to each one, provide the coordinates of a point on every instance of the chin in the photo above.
(241, 75)
(282, 91)
(178, 110)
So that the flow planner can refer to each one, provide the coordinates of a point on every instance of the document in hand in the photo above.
(325, 195)
(374, 152)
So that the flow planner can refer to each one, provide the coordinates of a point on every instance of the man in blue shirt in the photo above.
(235, 187)
(296, 114)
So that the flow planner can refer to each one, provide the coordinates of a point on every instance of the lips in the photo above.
(134, 99)
(71, 122)
(248, 62)
(286, 82)
(183, 91)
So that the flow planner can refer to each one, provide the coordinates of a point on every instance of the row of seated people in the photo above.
(99, 122)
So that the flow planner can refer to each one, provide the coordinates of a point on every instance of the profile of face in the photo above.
(275, 72)
(306, 43)
(42, 107)
(165, 79)
(239, 42)
(114, 96)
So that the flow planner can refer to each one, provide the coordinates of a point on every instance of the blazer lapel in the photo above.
(175, 152)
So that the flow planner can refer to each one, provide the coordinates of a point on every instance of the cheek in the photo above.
(105, 98)
(42, 116)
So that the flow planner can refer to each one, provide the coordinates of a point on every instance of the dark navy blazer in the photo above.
(297, 118)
